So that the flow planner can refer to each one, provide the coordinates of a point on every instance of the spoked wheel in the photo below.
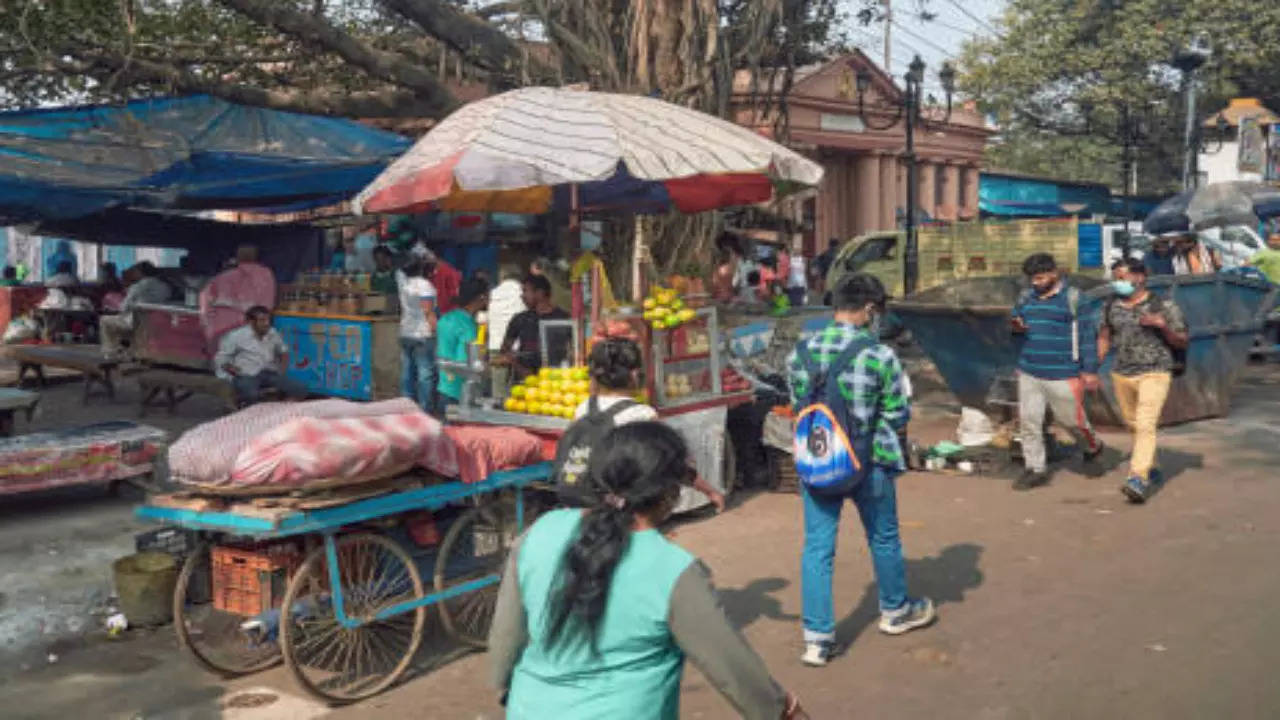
(339, 664)
(220, 641)
(471, 560)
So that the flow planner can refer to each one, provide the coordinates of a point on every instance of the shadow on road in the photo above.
(755, 600)
(944, 578)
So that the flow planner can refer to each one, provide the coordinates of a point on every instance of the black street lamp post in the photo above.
(909, 110)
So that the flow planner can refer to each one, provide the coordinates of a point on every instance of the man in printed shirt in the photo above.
(1057, 364)
(874, 386)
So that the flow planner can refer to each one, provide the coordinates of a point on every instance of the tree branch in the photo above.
(387, 102)
(309, 28)
(482, 44)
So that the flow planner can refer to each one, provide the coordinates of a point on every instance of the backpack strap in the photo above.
(818, 376)
(1073, 304)
(593, 408)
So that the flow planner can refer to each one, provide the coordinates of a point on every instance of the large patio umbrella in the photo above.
(1216, 205)
(538, 149)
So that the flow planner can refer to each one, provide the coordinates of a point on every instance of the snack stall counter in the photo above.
(348, 356)
(685, 381)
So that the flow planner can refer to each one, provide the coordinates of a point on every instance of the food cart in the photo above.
(685, 379)
(334, 586)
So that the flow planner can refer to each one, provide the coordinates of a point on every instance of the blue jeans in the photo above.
(248, 388)
(418, 372)
(877, 504)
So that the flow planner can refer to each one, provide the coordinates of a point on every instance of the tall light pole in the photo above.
(1188, 60)
(909, 112)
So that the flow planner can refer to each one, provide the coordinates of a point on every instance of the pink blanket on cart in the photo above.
(209, 453)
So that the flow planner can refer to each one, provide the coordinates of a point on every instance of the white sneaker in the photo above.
(915, 614)
(816, 654)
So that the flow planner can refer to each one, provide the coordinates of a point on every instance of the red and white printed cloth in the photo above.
(309, 450)
(207, 453)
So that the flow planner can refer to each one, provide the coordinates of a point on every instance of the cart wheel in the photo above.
(475, 549)
(342, 665)
(215, 638)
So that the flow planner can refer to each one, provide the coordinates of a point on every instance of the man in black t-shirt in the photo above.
(521, 347)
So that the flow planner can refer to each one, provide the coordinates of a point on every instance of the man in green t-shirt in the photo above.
(455, 331)
(1268, 260)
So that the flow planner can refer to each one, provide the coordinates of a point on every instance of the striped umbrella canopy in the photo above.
(530, 150)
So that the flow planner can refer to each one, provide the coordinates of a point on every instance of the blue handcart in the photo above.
(353, 611)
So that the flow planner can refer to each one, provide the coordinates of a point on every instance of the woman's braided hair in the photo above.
(635, 470)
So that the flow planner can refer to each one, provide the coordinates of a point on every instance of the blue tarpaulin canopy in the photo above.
(1022, 196)
(191, 153)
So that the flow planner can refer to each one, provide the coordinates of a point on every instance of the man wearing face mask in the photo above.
(875, 391)
(1146, 334)
(1057, 364)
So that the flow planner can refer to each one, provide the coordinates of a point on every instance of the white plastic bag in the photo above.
(975, 428)
(20, 329)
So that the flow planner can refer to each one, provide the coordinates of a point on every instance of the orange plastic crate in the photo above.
(249, 580)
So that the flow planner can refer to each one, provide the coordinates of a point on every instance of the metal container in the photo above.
(964, 329)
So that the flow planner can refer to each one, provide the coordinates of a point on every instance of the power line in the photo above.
(969, 14)
(945, 53)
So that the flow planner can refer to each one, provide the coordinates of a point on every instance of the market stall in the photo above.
(342, 342)
(614, 154)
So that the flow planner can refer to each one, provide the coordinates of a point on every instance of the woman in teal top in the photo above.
(597, 610)
(456, 330)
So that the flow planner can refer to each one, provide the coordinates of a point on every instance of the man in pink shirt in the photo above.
(229, 295)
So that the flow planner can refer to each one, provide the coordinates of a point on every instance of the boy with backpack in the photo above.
(1056, 365)
(850, 396)
(614, 365)
(1149, 337)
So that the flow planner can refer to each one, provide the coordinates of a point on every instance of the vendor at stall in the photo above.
(253, 358)
(65, 277)
(521, 346)
(10, 278)
(117, 330)
(225, 299)
(455, 332)
(383, 279)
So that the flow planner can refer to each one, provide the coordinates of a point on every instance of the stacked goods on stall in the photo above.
(553, 392)
(665, 309)
(332, 293)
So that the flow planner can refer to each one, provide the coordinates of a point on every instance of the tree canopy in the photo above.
(393, 58)
(1063, 74)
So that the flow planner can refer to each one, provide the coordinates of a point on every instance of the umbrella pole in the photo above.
(637, 262)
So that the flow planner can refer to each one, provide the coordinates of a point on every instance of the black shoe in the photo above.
(1031, 480)
(1093, 461)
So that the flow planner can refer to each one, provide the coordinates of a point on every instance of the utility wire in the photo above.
(969, 14)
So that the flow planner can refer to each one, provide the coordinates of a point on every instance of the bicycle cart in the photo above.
(335, 591)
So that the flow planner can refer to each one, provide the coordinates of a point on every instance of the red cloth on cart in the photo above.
(484, 449)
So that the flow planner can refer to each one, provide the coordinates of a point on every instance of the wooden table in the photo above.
(11, 401)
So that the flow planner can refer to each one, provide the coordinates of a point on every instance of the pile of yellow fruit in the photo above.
(553, 392)
(664, 309)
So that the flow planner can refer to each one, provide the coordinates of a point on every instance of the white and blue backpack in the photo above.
(831, 456)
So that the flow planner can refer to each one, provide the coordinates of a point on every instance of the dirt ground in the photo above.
(1064, 602)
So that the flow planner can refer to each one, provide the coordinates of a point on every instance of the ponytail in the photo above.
(634, 470)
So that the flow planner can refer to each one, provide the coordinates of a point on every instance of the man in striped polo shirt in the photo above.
(1058, 363)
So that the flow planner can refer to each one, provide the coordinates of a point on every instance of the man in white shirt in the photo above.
(253, 357)
(117, 330)
(418, 302)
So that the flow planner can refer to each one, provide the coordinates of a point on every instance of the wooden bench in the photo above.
(167, 387)
(97, 370)
(11, 401)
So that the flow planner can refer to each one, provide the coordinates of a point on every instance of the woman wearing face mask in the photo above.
(1144, 331)
(873, 386)
(597, 611)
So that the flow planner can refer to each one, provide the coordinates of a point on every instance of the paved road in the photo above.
(1061, 603)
